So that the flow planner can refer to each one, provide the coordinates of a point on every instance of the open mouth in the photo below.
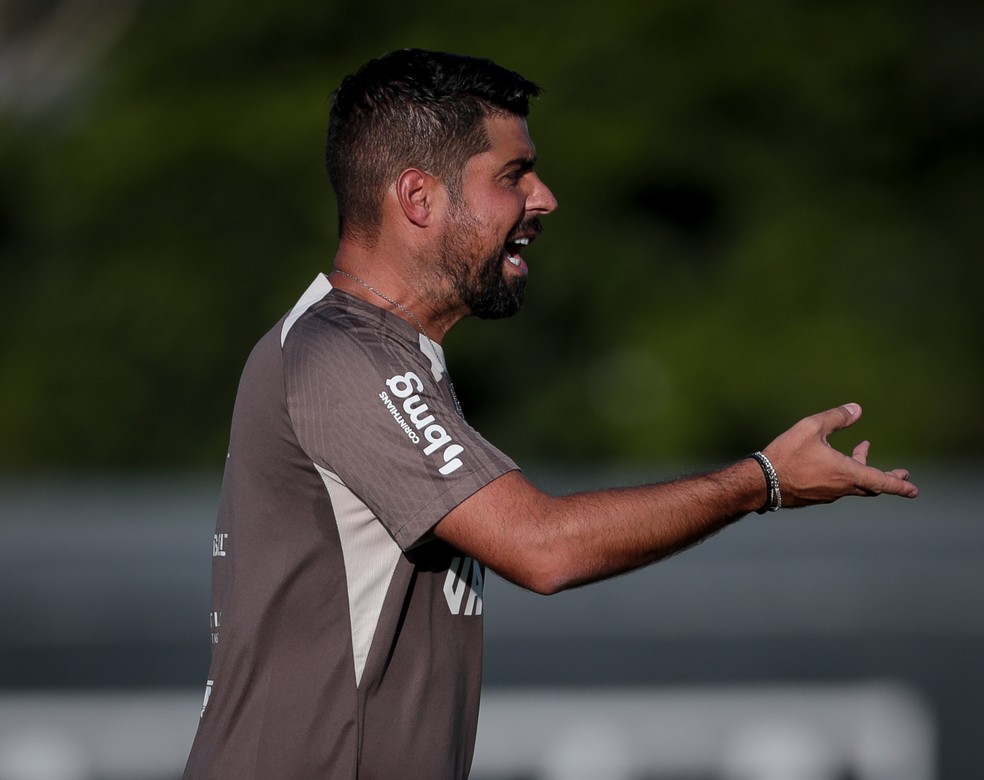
(521, 237)
(513, 249)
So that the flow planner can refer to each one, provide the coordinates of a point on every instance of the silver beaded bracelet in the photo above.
(773, 501)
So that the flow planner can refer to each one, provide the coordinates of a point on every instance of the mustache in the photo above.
(531, 227)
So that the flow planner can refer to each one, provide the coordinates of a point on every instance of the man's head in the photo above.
(412, 108)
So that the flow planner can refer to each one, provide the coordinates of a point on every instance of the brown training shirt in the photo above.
(346, 641)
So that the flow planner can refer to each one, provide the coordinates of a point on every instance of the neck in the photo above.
(377, 294)
(398, 281)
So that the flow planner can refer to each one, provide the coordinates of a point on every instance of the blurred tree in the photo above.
(766, 209)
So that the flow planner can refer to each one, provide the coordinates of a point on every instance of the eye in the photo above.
(514, 173)
(514, 177)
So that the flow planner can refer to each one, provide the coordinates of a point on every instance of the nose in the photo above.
(540, 200)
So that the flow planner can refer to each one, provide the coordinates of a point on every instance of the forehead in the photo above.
(510, 142)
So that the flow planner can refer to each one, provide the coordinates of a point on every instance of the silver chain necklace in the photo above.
(410, 314)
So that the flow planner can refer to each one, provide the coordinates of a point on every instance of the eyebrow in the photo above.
(520, 164)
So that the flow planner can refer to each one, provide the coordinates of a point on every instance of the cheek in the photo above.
(508, 210)
(491, 217)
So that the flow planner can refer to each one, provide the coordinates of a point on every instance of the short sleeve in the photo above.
(366, 405)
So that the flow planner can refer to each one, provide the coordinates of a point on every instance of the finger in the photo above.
(889, 482)
(860, 453)
(902, 487)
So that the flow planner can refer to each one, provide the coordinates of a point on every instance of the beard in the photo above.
(481, 286)
(487, 292)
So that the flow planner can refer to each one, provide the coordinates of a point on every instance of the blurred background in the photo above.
(766, 209)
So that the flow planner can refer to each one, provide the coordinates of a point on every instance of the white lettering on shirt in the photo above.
(219, 545)
(462, 573)
(407, 388)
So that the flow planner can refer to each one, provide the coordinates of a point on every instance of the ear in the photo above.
(417, 191)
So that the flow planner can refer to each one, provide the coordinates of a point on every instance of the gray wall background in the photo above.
(106, 583)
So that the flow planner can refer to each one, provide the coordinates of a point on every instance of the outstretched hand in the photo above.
(812, 472)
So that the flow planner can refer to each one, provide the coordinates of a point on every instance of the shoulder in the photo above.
(339, 323)
(348, 345)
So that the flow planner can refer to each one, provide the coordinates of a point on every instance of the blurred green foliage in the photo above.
(767, 209)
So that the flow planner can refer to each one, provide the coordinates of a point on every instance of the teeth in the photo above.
(514, 258)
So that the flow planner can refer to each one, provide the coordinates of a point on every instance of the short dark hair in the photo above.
(412, 108)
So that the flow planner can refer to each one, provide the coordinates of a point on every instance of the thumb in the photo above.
(839, 418)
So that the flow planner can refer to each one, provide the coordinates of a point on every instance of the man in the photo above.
(359, 508)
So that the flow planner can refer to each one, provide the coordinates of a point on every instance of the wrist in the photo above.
(773, 493)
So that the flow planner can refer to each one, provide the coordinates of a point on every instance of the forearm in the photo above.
(548, 544)
(603, 534)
